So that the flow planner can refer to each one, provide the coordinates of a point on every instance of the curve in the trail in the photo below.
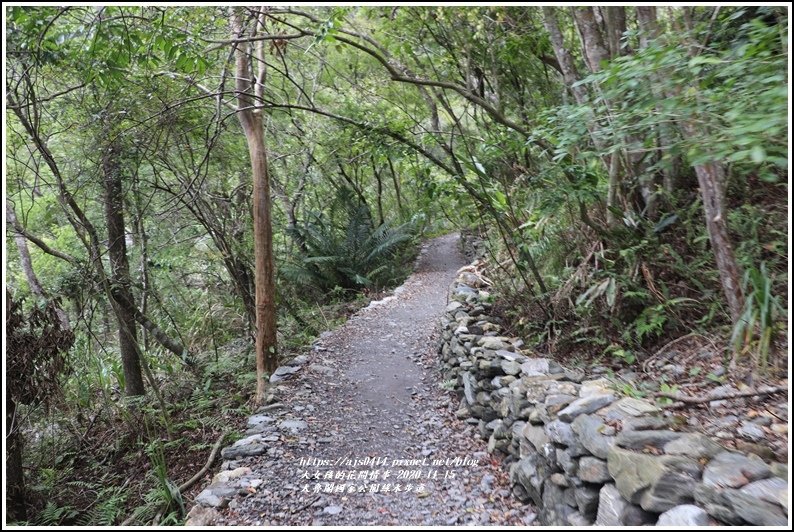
(366, 435)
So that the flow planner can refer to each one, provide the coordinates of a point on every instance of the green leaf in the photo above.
(758, 154)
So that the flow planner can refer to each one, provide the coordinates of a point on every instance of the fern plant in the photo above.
(343, 248)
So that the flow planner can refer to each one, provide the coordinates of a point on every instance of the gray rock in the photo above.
(484, 413)
(635, 407)
(560, 432)
(779, 470)
(574, 375)
(530, 472)
(468, 386)
(553, 510)
(511, 356)
(292, 425)
(332, 509)
(751, 431)
(568, 495)
(298, 360)
(639, 439)
(536, 436)
(734, 470)
(568, 464)
(694, 445)
(577, 519)
(737, 508)
(587, 501)
(253, 445)
(614, 510)
(282, 373)
(657, 483)
(611, 506)
(774, 490)
(645, 423)
(463, 292)
(684, 515)
(216, 495)
(533, 367)
(259, 419)
(558, 479)
(593, 470)
(557, 401)
(599, 386)
(201, 516)
(510, 367)
(495, 342)
(594, 434)
(585, 405)
(270, 408)
(455, 305)
(463, 412)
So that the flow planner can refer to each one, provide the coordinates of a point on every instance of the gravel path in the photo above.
(367, 411)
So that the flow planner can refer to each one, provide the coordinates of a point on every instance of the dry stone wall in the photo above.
(579, 451)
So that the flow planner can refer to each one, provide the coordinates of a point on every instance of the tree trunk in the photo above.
(249, 87)
(380, 192)
(396, 182)
(711, 179)
(120, 272)
(24, 254)
(567, 66)
(649, 30)
(27, 265)
(594, 47)
(615, 19)
(16, 501)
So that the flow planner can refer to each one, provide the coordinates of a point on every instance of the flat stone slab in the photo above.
(253, 445)
(534, 367)
(259, 419)
(283, 372)
(585, 405)
(497, 343)
(293, 425)
(639, 439)
(216, 495)
(694, 445)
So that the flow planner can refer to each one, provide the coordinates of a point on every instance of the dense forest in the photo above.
(194, 194)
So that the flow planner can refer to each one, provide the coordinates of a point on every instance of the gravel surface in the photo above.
(371, 392)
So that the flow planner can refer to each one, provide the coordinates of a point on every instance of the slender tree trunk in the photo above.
(120, 271)
(711, 179)
(649, 30)
(24, 254)
(380, 192)
(567, 66)
(27, 265)
(16, 500)
(396, 182)
(250, 90)
(615, 19)
(594, 47)
(143, 242)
